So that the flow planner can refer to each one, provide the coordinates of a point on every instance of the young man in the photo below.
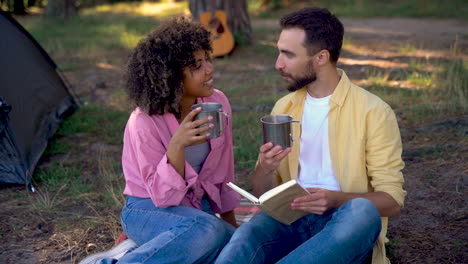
(349, 158)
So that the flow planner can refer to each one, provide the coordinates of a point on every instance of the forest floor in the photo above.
(432, 226)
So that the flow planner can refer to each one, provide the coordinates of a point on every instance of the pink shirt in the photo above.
(148, 174)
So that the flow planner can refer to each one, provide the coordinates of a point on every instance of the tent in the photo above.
(34, 99)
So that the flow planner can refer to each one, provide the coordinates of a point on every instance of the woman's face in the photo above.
(198, 78)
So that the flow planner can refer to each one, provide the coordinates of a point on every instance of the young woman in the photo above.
(175, 178)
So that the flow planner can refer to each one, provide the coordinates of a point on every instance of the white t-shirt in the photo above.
(315, 166)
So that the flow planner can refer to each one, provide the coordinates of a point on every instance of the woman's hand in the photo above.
(189, 131)
(188, 134)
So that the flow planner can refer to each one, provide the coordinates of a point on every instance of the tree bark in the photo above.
(236, 10)
(60, 9)
(19, 8)
(31, 3)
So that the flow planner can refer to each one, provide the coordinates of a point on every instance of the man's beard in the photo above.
(299, 82)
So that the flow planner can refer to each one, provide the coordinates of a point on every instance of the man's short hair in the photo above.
(323, 30)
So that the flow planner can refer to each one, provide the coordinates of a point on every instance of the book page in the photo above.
(267, 195)
(243, 192)
(278, 205)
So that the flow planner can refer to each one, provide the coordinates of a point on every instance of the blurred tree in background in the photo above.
(14, 6)
(275, 4)
(60, 8)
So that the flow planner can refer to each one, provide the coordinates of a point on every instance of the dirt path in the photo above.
(432, 226)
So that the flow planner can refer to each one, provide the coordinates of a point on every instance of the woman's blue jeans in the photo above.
(178, 234)
(343, 235)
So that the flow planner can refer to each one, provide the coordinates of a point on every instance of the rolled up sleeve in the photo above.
(383, 154)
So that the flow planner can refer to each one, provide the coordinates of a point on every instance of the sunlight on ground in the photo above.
(394, 84)
(385, 64)
(145, 9)
(106, 66)
(268, 43)
(375, 31)
(416, 53)
(129, 39)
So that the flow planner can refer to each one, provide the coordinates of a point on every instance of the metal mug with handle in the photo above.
(278, 130)
(214, 110)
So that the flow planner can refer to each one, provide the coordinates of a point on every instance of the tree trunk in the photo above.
(19, 8)
(31, 3)
(236, 10)
(60, 8)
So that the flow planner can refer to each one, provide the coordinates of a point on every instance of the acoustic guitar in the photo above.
(215, 21)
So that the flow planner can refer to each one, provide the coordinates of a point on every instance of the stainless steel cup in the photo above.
(214, 110)
(278, 130)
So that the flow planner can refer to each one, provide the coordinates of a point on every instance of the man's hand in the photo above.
(318, 201)
(271, 156)
(321, 200)
(269, 159)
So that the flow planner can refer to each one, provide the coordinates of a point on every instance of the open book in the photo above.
(277, 201)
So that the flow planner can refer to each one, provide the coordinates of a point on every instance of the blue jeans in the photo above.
(178, 234)
(343, 235)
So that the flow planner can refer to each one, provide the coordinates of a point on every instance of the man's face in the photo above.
(294, 63)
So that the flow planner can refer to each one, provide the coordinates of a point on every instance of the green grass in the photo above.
(407, 48)
(420, 79)
(56, 146)
(64, 173)
(453, 83)
(104, 121)
(98, 30)
(57, 175)
(90, 34)
(247, 138)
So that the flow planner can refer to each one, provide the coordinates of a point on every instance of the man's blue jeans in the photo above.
(343, 235)
(178, 234)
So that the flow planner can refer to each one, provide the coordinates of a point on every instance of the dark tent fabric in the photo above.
(34, 101)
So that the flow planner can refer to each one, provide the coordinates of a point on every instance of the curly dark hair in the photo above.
(323, 30)
(154, 77)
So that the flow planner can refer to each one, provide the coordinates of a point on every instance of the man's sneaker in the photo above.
(114, 253)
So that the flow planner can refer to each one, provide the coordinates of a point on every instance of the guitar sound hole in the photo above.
(220, 29)
(217, 25)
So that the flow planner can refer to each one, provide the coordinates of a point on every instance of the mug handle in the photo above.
(292, 131)
(227, 119)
